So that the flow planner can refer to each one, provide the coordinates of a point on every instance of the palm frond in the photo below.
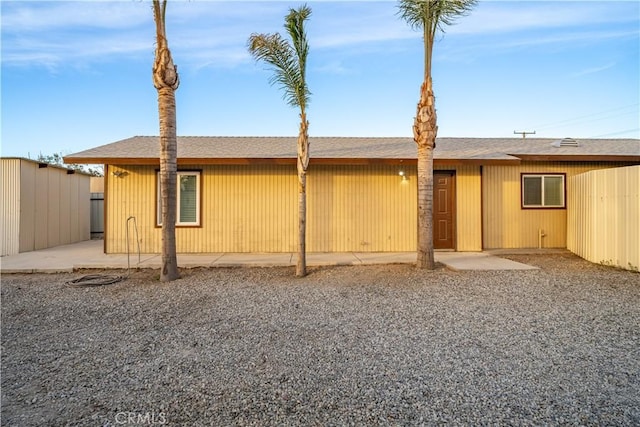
(279, 54)
(288, 60)
(433, 14)
(294, 24)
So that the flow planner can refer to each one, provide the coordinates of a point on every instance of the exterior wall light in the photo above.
(404, 177)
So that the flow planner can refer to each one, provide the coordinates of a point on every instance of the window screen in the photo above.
(188, 195)
(542, 191)
(188, 199)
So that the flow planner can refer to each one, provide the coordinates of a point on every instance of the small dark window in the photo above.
(543, 191)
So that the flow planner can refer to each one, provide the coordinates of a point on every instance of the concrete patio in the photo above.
(89, 255)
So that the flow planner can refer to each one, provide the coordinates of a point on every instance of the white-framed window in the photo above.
(543, 190)
(188, 199)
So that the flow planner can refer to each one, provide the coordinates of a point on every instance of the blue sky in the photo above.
(76, 75)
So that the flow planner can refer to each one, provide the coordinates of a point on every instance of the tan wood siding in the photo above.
(506, 224)
(240, 211)
(254, 209)
(468, 208)
(247, 212)
(131, 194)
(361, 208)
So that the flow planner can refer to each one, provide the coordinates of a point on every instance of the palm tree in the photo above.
(428, 16)
(166, 81)
(289, 62)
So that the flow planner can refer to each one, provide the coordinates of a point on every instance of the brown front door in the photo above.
(444, 215)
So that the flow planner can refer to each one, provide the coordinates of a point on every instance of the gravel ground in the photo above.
(365, 345)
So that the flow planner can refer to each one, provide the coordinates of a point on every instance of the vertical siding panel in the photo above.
(10, 206)
(320, 209)
(27, 205)
(211, 207)
(607, 226)
(39, 206)
(53, 207)
(363, 208)
(114, 205)
(576, 211)
(632, 217)
(73, 218)
(74, 209)
(411, 210)
(132, 194)
(41, 214)
(468, 207)
(244, 210)
(64, 200)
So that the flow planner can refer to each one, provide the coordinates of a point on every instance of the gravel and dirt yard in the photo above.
(365, 345)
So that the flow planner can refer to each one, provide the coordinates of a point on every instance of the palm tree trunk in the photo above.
(166, 81)
(168, 182)
(302, 164)
(424, 134)
(425, 208)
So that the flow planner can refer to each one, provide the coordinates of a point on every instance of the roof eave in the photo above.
(579, 158)
(147, 161)
(517, 159)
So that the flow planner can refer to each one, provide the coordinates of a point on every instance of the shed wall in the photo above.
(254, 209)
(604, 217)
(10, 206)
(54, 207)
(507, 225)
(28, 206)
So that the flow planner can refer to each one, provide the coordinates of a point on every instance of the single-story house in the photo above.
(239, 194)
(41, 205)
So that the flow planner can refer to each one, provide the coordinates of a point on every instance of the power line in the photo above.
(615, 133)
(579, 119)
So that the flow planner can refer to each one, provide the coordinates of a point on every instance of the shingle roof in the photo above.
(217, 149)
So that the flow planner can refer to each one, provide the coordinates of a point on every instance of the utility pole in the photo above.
(524, 133)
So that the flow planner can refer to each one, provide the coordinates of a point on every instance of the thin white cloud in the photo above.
(213, 33)
(468, 50)
(495, 17)
(49, 34)
(594, 70)
(30, 16)
(79, 48)
(333, 67)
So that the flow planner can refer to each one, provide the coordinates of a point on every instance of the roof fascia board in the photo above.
(517, 159)
(578, 158)
(284, 161)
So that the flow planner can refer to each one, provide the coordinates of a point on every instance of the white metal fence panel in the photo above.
(603, 217)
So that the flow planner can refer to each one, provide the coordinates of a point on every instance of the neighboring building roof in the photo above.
(69, 171)
(348, 150)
